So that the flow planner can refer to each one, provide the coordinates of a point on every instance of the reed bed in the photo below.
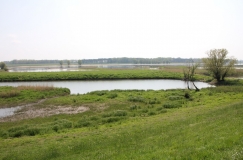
(36, 87)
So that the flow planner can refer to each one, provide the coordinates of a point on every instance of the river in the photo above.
(83, 87)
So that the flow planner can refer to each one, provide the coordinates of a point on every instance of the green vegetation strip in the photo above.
(15, 96)
(102, 74)
(137, 124)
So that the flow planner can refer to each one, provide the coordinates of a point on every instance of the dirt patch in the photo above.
(32, 112)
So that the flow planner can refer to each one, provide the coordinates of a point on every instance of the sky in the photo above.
(90, 29)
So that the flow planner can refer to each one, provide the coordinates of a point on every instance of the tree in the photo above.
(68, 63)
(79, 62)
(3, 66)
(189, 73)
(61, 63)
(218, 64)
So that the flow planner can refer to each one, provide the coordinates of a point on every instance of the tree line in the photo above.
(122, 60)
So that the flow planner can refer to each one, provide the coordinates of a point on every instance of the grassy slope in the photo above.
(208, 126)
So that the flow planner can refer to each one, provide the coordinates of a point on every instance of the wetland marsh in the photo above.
(122, 123)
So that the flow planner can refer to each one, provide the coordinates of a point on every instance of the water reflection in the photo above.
(82, 87)
(4, 112)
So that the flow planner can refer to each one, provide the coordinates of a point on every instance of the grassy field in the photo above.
(99, 74)
(14, 96)
(134, 124)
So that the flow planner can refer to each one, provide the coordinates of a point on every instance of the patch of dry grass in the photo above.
(36, 87)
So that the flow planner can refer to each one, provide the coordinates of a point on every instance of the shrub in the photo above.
(61, 124)
(31, 131)
(17, 131)
(187, 95)
(111, 119)
(136, 99)
(83, 123)
(112, 95)
(151, 113)
(106, 115)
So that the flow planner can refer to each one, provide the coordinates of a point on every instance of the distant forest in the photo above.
(123, 60)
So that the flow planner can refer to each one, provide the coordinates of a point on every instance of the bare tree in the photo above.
(61, 63)
(189, 73)
(218, 64)
(79, 62)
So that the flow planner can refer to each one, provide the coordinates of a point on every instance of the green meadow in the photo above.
(133, 124)
(121, 124)
(98, 74)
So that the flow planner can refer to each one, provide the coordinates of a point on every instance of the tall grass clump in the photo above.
(36, 87)
(9, 94)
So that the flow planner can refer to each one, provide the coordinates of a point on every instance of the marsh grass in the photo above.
(36, 87)
(135, 124)
(15, 96)
(101, 74)
(181, 134)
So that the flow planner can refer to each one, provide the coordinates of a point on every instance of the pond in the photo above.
(83, 87)
(4, 112)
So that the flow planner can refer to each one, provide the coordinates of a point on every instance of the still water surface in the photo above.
(83, 87)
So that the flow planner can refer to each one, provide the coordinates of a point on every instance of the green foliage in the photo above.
(14, 96)
(112, 128)
(3, 66)
(79, 62)
(218, 64)
(89, 75)
(120, 113)
(172, 104)
(112, 95)
(187, 95)
(83, 123)
(136, 99)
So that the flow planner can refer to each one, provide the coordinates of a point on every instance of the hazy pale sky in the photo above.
(83, 29)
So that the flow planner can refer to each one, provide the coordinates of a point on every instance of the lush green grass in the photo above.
(14, 96)
(100, 74)
(172, 124)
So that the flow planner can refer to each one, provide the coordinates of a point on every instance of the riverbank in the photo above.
(131, 124)
(97, 74)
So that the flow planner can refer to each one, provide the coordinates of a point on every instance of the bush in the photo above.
(187, 95)
(151, 113)
(83, 123)
(61, 124)
(31, 131)
(112, 95)
(136, 99)
(112, 119)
